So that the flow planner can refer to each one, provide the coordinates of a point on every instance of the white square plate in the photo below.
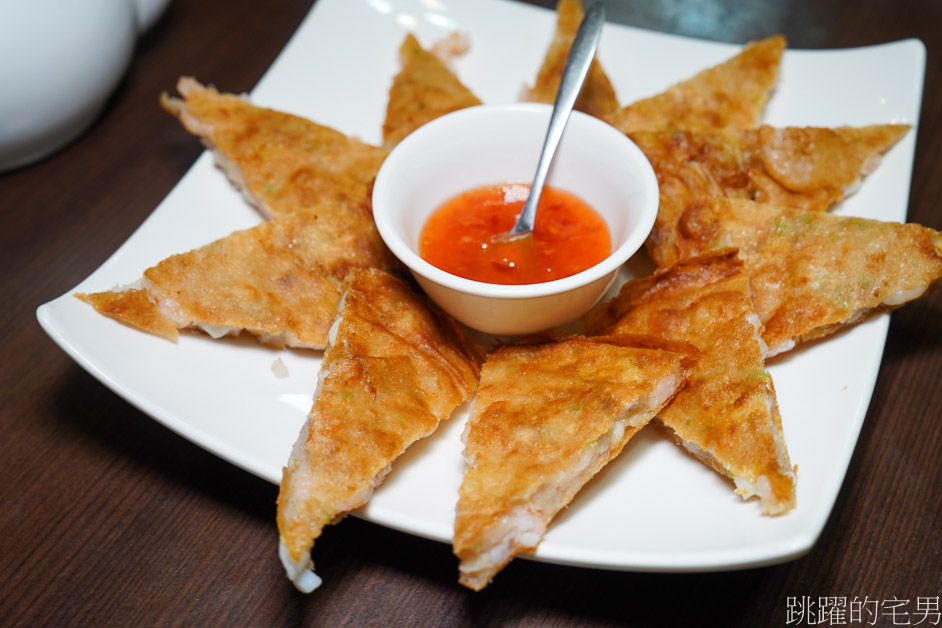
(654, 508)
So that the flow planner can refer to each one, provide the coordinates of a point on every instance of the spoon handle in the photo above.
(574, 74)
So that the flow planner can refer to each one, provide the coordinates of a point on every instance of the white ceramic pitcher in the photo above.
(59, 62)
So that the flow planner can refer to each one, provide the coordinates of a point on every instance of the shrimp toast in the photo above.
(282, 163)
(424, 89)
(546, 418)
(727, 414)
(597, 97)
(809, 168)
(813, 273)
(280, 280)
(729, 95)
(395, 368)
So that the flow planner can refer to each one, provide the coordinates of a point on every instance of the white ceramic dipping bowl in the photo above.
(488, 145)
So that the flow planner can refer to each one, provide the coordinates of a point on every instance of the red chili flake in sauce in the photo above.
(568, 237)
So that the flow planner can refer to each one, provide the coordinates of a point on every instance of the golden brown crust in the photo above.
(597, 97)
(392, 374)
(731, 94)
(286, 162)
(133, 307)
(386, 317)
(807, 160)
(727, 412)
(709, 269)
(547, 416)
(280, 280)
(809, 168)
(814, 272)
(423, 90)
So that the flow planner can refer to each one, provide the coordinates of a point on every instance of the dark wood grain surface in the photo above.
(108, 518)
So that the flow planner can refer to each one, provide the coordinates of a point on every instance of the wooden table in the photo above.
(108, 518)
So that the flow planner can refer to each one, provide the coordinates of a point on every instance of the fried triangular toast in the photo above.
(394, 370)
(282, 163)
(597, 97)
(546, 418)
(727, 414)
(809, 168)
(136, 307)
(280, 280)
(731, 94)
(424, 89)
(814, 272)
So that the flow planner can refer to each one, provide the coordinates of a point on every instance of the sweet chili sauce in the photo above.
(460, 236)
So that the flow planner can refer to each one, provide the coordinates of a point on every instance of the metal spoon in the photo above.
(574, 73)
